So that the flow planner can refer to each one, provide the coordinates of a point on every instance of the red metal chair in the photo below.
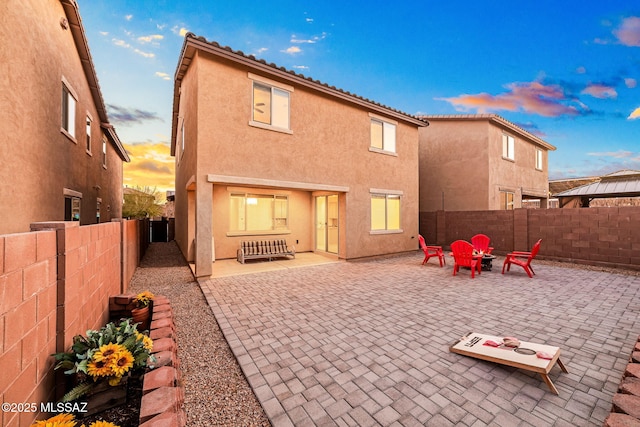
(462, 252)
(523, 259)
(430, 250)
(481, 242)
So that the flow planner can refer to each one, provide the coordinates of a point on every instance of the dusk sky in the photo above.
(566, 71)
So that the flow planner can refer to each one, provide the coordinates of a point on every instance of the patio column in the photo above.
(204, 247)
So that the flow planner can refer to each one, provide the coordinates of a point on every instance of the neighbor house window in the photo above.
(538, 159)
(385, 212)
(270, 105)
(182, 139)
(72, 209)
(68, 111)
(383, 135)
(258, 212)
(104, 153)
(506, 200)
(88, 142)
(508, 146)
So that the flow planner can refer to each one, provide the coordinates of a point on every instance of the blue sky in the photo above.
(567, 71)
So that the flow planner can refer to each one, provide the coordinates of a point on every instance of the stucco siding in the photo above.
(39, 161)
(462, 166)
(454, 166)
(326, 151)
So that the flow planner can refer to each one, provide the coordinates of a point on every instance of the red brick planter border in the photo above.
(625, 410)
(162, 391)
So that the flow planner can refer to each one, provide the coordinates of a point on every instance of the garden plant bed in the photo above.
(125, 415)
(160, 397)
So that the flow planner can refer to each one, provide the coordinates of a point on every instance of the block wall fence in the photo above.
(55, 283)
(603, 236)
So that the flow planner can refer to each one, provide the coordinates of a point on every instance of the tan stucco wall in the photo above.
(454, 166)
(38, 161)
(519, 176)
(329, 145)
(463, 159)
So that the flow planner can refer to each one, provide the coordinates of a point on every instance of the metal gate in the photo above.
(159, 230)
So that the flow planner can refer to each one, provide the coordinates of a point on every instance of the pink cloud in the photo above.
(629, 31)
(601, 91)
(528, 97)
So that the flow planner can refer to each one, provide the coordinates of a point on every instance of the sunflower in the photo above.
(147, 342)
(122, 362)
(143, 298)
(98, 368)
(114, 381)
(106, 352)
(102, 424)
(60, 420)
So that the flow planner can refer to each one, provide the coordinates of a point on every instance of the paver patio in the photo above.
(366, 343)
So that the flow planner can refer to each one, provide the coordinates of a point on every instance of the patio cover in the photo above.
(624, 183)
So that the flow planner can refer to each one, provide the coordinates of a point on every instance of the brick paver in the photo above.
(366, 343)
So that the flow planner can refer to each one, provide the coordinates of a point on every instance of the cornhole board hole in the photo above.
(524, 357)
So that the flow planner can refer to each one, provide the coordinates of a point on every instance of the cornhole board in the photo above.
(472, 345)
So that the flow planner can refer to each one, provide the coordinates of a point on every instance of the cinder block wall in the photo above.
(607, 236)
(28, 286)
(55, 283)
(131, 253)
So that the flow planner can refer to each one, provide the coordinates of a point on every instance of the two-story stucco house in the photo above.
(480, 162)
(262, 152)
(61, 158)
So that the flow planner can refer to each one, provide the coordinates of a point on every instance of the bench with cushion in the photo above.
(254, 249)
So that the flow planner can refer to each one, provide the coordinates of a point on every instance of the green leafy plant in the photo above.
(107, 354)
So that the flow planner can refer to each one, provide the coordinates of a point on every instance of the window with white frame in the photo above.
(68, 111)
(383, 135)
(104, 153)
(88, 141)
(258, 212)
(270, 105)
(538, 159)
(508, 147)
(385, 212)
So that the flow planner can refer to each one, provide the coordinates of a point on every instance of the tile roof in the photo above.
(193, 42)
(494, 118)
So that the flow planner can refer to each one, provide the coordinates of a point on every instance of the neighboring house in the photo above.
(262, 153)
(480, 162)
(621, 188)
(61, 158)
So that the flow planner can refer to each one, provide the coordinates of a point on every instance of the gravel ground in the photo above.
(216, 390)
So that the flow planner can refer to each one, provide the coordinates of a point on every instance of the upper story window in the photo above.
(68, 111)
(182, 139)
(270, 104)
(539, 159)
(104, 153)
(508, 147)
(383, 135)
(88, 142)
